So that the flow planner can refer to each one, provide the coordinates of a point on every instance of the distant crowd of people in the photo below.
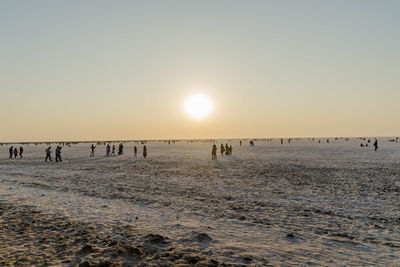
(110, 151)
(227, 150)
(369, 141)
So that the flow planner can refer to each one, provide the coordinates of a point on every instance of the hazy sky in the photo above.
(91, 70)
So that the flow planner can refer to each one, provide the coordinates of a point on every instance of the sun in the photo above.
(198, 106)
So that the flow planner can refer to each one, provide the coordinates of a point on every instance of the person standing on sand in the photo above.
(11, 150)
(144, 151)
(121, 149)
(108, 149)
(92, 153)
(376, 144)
(135, 151)
(48, 154)
(222, 149)
(113, 151)
(15, 152)
(214, 152)
(21, 150)
(226, 149)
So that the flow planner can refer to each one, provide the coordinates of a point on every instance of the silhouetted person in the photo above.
(240, 142)
(15, 152)
(281, 141)
(48, 153)
(108, 150)
(144, 151)
(121, 149)
(376, 144)
(92, 148)
(222, 149)
(361, 145)
(113, 150)
(135, 151)
(226, 149)
(230, 150)
(11, 150)
(58, 154)
(21, 150)
(214, 152)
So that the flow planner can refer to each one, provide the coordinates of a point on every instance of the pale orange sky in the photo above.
(96, 70)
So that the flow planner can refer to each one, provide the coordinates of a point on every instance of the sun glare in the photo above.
(198, 106)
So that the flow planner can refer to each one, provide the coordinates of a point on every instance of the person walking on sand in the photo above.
(108, 150)
(92, 152)
(214, 152)
(135, 151)
(222, 149)
(48, 154)
(58, 154)
(21, 150)
(15, 152)
(376, 144)
(226, 149)
(11, 150)
(144, 151)
(113, 151)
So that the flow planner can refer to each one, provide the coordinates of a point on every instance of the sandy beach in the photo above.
(304, 203)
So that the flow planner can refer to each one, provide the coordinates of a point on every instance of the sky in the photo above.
(112, 70)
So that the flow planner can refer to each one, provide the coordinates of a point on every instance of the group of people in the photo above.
(227, 150)
(369, 141)
(58, 154)
(14, 152)
(111, 151)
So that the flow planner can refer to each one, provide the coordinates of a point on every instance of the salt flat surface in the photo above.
(300, 203)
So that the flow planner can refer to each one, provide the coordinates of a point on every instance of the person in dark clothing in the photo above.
(15, 152)
(135, 151)
(144, 151)
(376, 144)
(21, 150)
(108, 150)
(11, 150)
(121, 149)
(92, 152)
(48, 153)
(58, 154)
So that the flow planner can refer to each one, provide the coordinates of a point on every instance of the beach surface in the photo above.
(303, 203)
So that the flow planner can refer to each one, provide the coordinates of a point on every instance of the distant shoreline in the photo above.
(188, 139)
